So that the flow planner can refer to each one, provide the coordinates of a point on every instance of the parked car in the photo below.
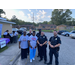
(14, 29)
(68, 33)
(20, 31)
(72, 35)
(61, 31)
(65, 33)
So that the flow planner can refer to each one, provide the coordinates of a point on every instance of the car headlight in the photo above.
(71, 35)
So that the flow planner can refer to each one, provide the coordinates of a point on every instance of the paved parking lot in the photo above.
(66, 53)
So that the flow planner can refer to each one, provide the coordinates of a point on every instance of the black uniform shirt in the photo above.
(29, 34)
(42, 39)
(55, 40)
(38, 35)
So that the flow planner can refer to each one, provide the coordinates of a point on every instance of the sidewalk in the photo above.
(9, 55)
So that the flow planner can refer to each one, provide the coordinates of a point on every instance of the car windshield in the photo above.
(72, 32)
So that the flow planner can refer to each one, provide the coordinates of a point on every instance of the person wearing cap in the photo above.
(29, 34)
(38, 35)
(42, 41)
(23, 45)
(32, 44)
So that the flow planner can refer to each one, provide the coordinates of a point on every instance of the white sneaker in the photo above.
(30, 60)
(33, 58)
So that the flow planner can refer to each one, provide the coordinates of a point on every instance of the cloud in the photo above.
(41, 15)
(18, 14)
(36, 10)
(21, 13)
(29, 10)
(29, 16)
(43, 12)
(49, 16)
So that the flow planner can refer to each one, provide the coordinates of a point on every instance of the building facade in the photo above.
(24, 26)
(46, 27)
(6, 25)
(61, 27)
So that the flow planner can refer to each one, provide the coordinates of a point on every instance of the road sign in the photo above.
(3, 44)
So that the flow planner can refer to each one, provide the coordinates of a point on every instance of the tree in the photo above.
(50, 22)
(1, 12)
(61, 16)
(45, 22)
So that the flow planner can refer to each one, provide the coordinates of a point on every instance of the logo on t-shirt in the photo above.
(34, 39)
(24, 39)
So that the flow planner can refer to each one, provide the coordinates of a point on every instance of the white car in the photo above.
(23, 29)
(14, 29)
(72, 35)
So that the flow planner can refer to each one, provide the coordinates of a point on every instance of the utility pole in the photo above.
(33, 19)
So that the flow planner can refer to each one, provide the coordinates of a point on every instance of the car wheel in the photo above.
(67, 34)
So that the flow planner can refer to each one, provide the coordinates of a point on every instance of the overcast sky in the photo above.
(40, 15)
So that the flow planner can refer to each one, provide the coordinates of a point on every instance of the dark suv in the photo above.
(61, 31)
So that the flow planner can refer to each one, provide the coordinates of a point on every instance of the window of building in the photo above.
(54, 26)
(51, 26)
(43, 26)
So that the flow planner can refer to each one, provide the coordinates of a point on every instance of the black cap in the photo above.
(33, 31)
(39, 29)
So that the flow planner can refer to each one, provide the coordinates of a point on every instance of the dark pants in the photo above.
(24, 53)
(28, 50)
(38, 50)
(51, 56)
(43, 52)
(15, 39)
(11, 39)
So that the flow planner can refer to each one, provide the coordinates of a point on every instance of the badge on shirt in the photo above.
(55, 38)
(43, 36)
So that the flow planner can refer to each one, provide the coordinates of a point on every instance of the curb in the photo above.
(15, 58)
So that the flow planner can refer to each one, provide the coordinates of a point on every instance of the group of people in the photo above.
(12, 36)
(28, 43)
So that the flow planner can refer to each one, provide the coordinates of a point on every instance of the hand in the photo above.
(41, 45)
(19, 47)
(52, 46)
(31, 47)
(35, 47)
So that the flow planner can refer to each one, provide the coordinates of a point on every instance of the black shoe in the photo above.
(49, 64)
(40, 60)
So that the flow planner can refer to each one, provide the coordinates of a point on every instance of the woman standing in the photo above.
(23, 44)
(32, 45)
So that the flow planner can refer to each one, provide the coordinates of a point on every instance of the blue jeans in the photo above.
(32, 53)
